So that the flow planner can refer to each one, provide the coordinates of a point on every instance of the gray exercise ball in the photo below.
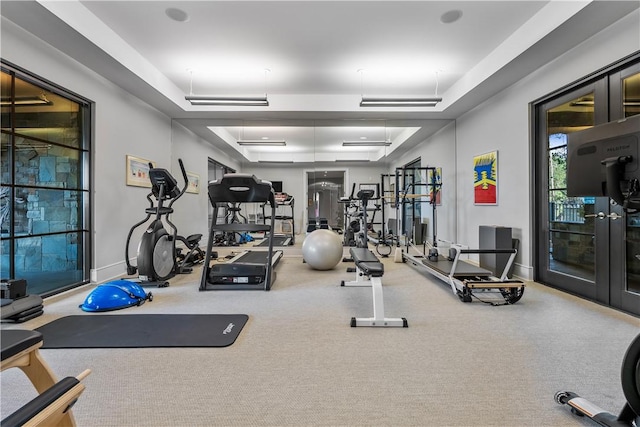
(322, 249)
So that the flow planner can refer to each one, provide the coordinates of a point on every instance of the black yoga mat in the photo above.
(143, 330)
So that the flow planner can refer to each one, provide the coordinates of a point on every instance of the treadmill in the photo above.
(250, 270)
(283, 201)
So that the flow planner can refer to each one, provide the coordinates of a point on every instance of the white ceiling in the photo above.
(322, 57)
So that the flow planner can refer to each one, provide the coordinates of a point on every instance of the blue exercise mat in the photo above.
(143, 330)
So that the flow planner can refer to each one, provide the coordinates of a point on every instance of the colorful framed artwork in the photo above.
(485, 179)
(138, 172)
(194, 183)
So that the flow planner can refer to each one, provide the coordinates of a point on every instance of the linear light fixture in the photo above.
(228, 101)
(275, 161)
(352, 161)
(399, 102)
(366, 143)
(268, 142)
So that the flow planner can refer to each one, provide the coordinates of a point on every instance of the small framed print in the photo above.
(194, 183)
(138, 172)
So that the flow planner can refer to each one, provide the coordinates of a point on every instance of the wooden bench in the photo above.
(52, 407)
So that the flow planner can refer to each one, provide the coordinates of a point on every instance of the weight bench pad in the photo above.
(367, 262)
(16, 340)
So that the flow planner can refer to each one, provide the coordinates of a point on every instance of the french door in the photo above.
(625, 278)
(585, 245)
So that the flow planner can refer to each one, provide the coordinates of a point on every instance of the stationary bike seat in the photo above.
(193, 238)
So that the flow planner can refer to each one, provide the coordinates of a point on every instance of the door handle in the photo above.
(602, 215)
(599, 215)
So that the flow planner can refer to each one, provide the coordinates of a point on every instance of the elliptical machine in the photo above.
(158, 259)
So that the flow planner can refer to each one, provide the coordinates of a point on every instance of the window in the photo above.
(45, 186)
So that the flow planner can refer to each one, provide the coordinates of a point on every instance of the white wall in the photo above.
(439, 151)
(122, 125)
(191, 211)
(294, 181)
(502, 123)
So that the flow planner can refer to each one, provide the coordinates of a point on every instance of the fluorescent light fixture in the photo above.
(351, 161)
(366, 143)
(228, 101)
(27, 101)
(271, 142)
(275, 161)
(399, 102)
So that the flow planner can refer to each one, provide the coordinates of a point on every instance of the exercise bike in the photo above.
(158, 259)
(355, 217)
(362, 239)
(364, 228)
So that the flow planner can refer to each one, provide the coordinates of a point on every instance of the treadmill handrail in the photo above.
(237, 227)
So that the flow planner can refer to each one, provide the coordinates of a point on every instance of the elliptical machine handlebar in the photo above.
(184, 177)
(353, 191)
(164, 186)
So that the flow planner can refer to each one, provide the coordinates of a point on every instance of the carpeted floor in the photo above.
(297, 361)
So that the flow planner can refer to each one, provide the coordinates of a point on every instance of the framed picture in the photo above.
(138, 172)
(194, 183)
(485, 179)
(434, 182)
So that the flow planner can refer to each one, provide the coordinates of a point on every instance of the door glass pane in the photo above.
(571, 235)
(5, 165)
(410, 178)
(5, 90)
(43, 164)
(633, 252)
(49, 262)
(44, 115)
(40, 211)
(631, 106)
(631, 95)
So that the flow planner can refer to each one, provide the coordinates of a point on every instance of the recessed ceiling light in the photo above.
(451, 16)
(178, 15)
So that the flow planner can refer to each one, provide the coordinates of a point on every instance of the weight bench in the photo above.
(52, 407)
(369, 271)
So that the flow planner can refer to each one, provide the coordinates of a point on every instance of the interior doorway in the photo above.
(324, 190)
